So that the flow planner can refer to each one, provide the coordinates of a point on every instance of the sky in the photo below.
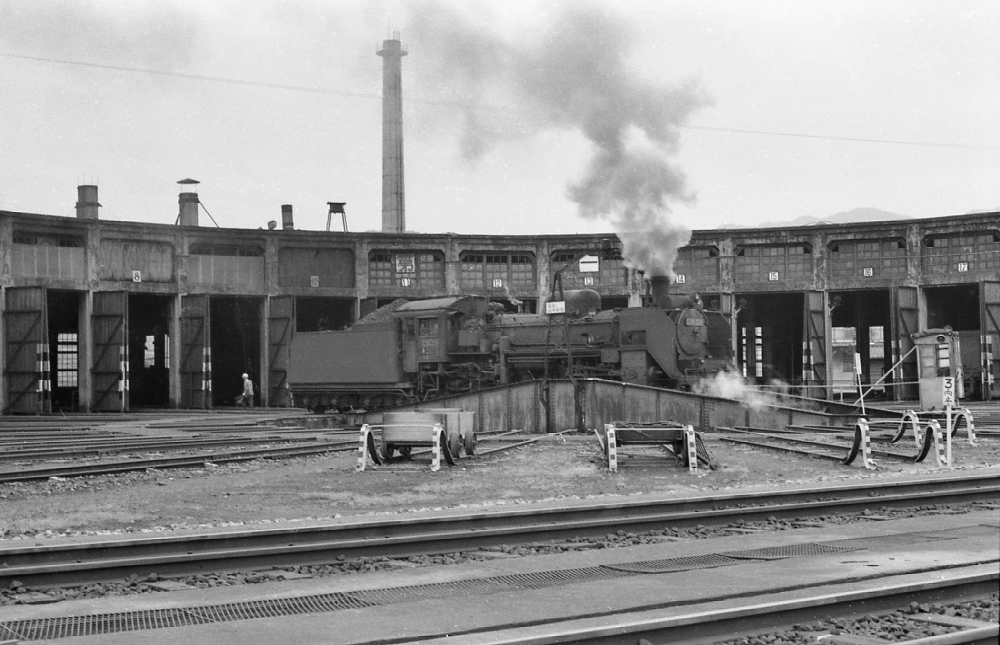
(520, 117)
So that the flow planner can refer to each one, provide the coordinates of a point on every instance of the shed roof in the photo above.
(433, 303)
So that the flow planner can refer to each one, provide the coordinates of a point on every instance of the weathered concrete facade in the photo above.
(187, 293)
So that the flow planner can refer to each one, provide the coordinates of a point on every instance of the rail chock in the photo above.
(366, 449)
(863, 445)
(962, 414)
(928, 433)
(681, 440)
(942, 449)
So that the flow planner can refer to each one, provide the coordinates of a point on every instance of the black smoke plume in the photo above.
(571, 72)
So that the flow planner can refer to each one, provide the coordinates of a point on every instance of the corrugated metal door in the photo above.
(814, 357)
(904, 325)
(110, 369)
(27, 352)
(990, 297)
(281, 325)
(196, 353)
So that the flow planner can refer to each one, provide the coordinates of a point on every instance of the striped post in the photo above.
(984, 363)
(612, 445)
(988, 371)
(805, 365)
(436, 448)
(204, 372)
(692, 449)
(949, 428)
(121, 380)
(362, 449)
(897, 370)
(42, 365)
(208, 372)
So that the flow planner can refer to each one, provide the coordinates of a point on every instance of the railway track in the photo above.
(744, 621)
(63, 564)
(79, 470)
(337, 441)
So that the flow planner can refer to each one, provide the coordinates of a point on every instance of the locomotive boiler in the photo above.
(441, 346)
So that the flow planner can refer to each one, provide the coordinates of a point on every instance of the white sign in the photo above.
(555, 307)
(314, 281)
(406, 264)
(405, 282)
(681, 278)
(590, 264)
(137, 276)
(868, 271)
(772, 276)
(498, 283)
(588, 280)
(963, 267)
(948, 391)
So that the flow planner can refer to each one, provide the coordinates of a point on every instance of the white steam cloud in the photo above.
(573, 73)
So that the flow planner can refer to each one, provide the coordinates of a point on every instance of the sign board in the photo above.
(136, 276)
(555, 307)
(314, 281)
(406, 263)
(590, 264)
(681, 278)
(948, 391)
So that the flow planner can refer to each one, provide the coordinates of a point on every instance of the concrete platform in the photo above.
(462, 603)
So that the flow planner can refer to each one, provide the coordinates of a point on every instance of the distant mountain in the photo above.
(853, 216)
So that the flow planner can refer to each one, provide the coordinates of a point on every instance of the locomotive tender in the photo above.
(453, 344)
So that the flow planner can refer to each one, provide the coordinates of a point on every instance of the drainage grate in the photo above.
(978, 530)
(882, 541)
(92, 625)
(788, 551)
(48, 628)
(483, 586)
(676, 564)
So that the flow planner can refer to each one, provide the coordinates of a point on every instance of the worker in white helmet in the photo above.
(247, 396)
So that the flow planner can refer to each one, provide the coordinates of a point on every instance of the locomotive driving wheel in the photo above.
(454, 444)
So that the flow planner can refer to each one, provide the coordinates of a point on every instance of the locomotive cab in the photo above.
(431, 334)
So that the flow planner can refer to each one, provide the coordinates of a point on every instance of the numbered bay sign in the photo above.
(948, 391)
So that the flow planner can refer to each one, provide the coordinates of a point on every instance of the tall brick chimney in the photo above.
(393, 206)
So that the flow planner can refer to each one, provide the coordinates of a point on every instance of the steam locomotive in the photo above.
(441, 346)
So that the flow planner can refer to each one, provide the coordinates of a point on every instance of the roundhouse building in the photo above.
(103, 315)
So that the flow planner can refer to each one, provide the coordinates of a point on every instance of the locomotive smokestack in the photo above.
(659, 286)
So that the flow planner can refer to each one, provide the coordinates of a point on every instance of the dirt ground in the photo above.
(556, 467)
